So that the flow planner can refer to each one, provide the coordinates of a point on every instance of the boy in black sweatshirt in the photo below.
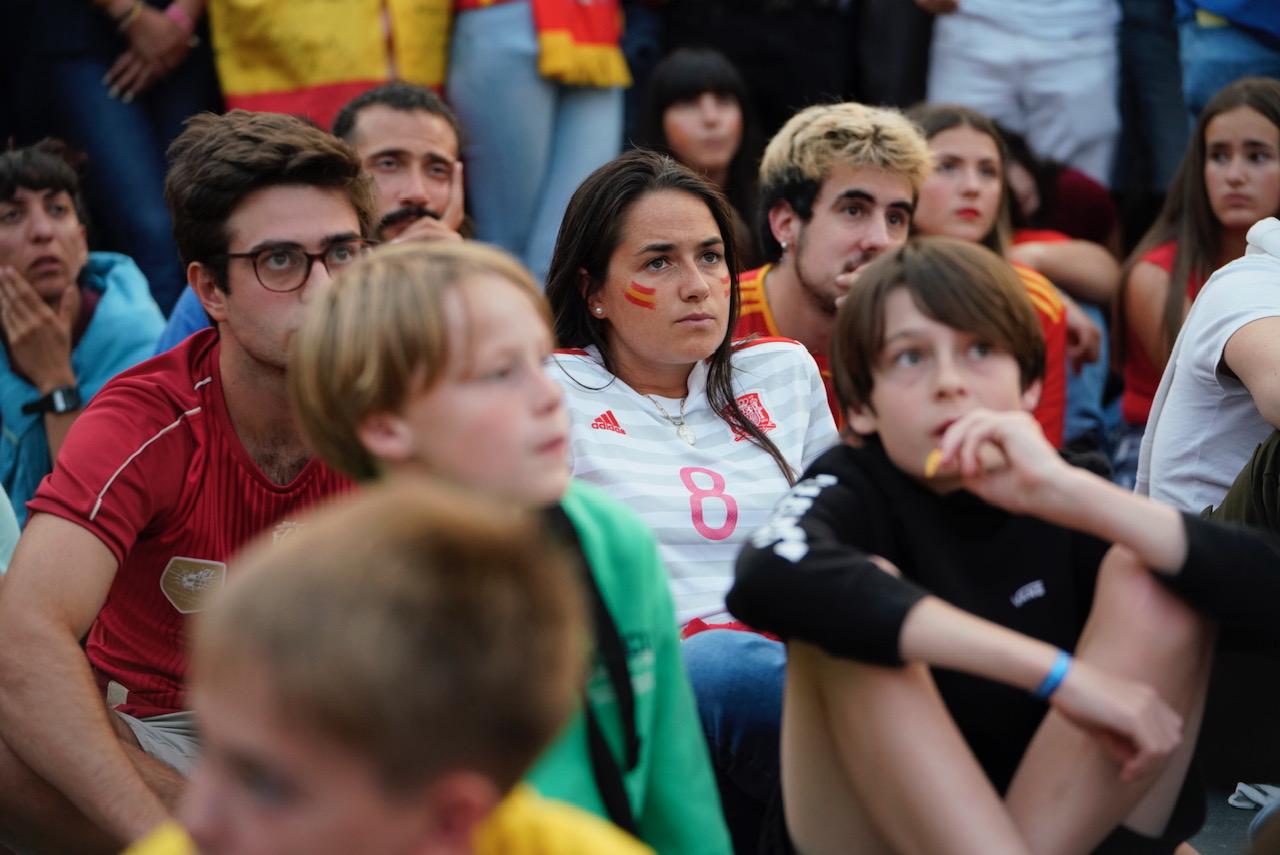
(954, 539)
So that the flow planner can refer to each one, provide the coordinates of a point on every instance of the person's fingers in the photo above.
(131, 74)
(455, 210)
(67, 306)
(111, 78)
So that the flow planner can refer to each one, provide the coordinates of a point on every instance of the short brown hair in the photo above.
(420, 626)
(802, 154)
(961, 284)
(377, 334)
(218, 160)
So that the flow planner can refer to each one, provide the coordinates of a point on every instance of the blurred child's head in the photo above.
(378, 680)
(429, 357)
(932, 330)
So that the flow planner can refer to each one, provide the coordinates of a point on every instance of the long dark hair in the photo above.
(592, 229)
(686, 74)
(933, 119)
(1187, 215)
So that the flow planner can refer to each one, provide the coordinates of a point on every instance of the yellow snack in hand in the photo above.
(932, 462)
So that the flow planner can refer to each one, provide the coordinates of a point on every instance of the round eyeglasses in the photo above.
(287, 267)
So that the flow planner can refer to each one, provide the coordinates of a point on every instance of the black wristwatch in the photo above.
(64, 399)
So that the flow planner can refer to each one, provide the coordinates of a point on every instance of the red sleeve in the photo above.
(1051, 312)
(1051, 412)
(1039, 236)
(122, 465)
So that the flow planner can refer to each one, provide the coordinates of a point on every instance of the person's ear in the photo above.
(455, 805)
(861, 419)
(387, 437)
(1031, 395)
(784, 223)
(205, 285)
(595, 305)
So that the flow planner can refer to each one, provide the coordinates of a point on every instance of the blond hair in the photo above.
(379, 334)
(802, 154)
(422, 627)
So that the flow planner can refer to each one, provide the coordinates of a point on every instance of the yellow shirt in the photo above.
(524, 824)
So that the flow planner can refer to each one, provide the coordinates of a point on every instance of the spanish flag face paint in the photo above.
(724, 280)
(640, 295)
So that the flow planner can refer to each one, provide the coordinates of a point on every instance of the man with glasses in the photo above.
(173, 466)
(408, 141)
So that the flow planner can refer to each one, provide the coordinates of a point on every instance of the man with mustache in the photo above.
(408, 141)
(838, 186)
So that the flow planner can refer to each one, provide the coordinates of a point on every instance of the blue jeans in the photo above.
(126, 146)
(1085, 416)
(531, 141)
(1212, 57)
(738, 680)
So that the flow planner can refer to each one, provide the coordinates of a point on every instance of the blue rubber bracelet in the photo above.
(1054, 678)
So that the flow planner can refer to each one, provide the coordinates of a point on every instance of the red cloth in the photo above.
(1040, 236)
(698, 625)
(754, 318)
(154, 469)
(1141, 376)
(1051, 312)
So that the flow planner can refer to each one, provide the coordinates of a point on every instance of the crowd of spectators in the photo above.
(839, 375)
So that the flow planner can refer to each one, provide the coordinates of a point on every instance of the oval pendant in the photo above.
(685, 433)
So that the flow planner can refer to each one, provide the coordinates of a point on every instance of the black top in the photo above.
(805, 576)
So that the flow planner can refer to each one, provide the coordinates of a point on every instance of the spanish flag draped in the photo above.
(309, 57)
(578, 42)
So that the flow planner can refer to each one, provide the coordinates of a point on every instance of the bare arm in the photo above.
(1144, 298)
(1130, 719)
(51, 713)
(1082, 268)
(1032, 478)
(1253, 355)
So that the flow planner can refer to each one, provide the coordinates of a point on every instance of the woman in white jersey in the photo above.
(699, 434)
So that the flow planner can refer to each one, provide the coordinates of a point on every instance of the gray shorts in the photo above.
(170, 738)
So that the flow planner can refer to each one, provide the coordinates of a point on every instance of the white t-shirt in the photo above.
(1204, 425)
(702, 501)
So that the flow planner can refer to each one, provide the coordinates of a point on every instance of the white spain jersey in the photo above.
(704, 500)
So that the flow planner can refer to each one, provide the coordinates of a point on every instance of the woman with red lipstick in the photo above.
(1228, 180)
(70, 319)
(966, 197)
(699, 112)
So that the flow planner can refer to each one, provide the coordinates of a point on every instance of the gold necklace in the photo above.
(682, 430)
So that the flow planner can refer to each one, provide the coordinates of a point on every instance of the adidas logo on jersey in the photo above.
(607, 421)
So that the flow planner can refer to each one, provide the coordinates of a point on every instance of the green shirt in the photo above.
(672, 790)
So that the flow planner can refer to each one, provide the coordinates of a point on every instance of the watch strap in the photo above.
(63, 399)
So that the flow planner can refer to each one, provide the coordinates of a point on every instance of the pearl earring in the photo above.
(784, 246)
(599, 310)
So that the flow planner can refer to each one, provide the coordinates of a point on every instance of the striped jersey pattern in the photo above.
(702, 501)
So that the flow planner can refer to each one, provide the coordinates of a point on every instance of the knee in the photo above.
(1158, 618)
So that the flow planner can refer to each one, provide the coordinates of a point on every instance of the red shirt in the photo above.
(154, 469)
(1052, 314)
(1141, 376)
(754, 318)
